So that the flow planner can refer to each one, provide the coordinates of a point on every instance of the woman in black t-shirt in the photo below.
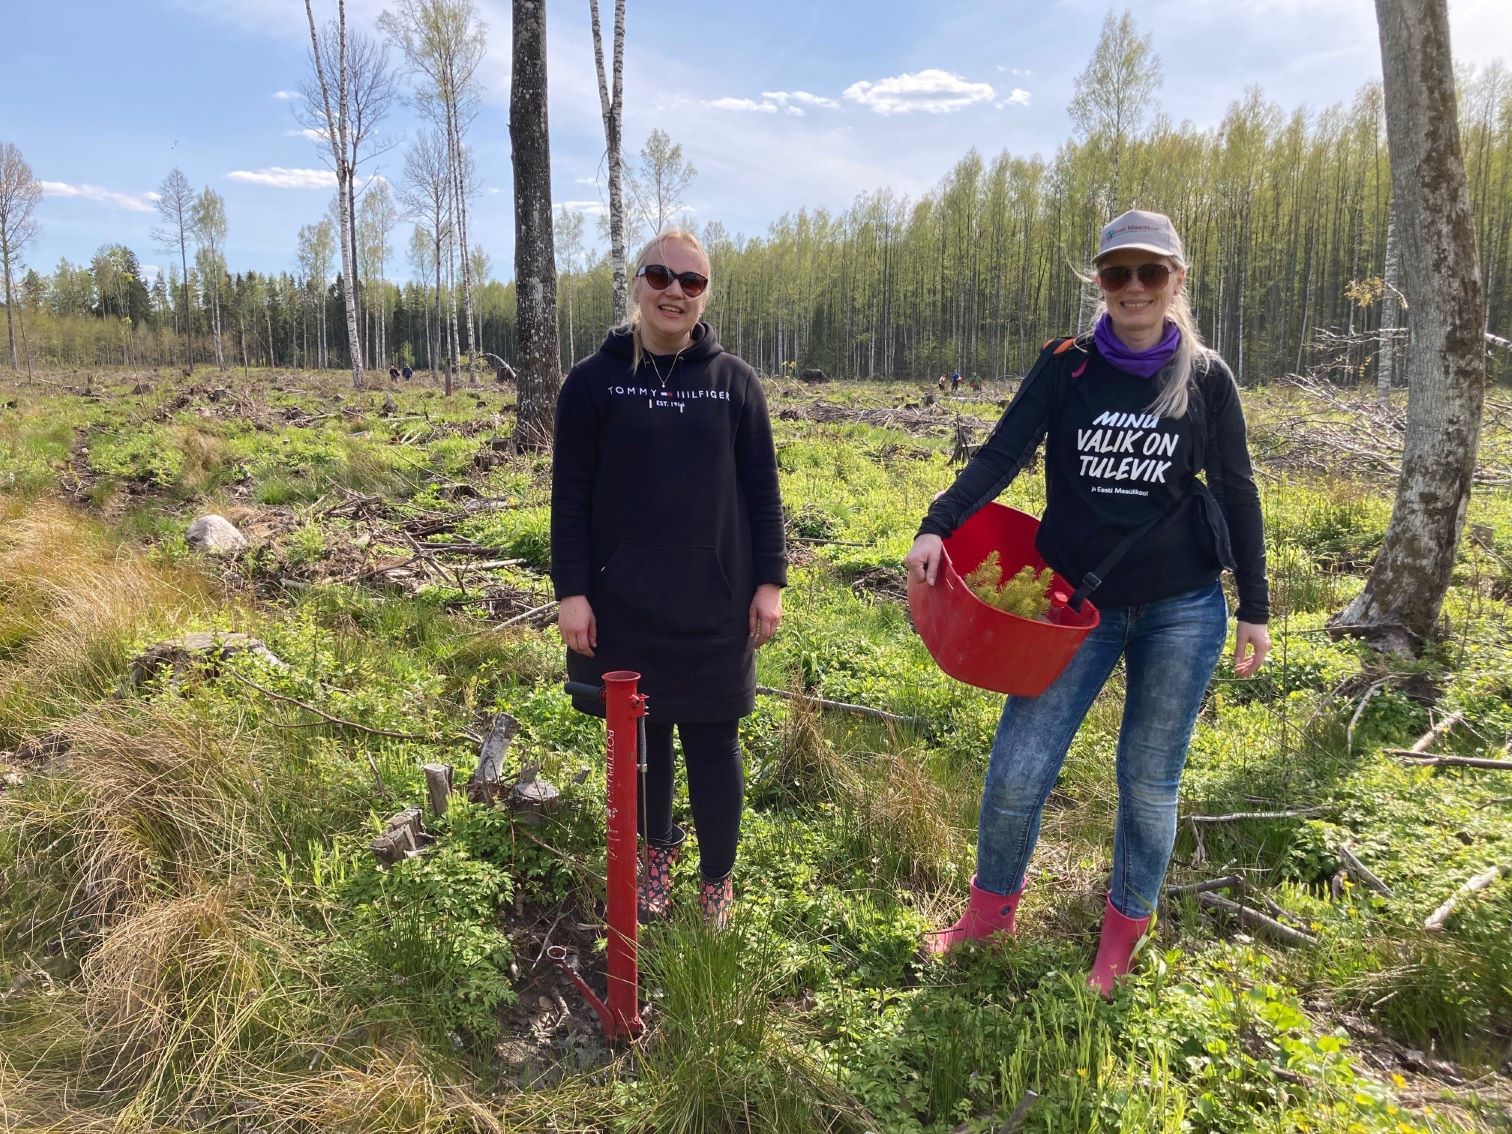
(1130, 415)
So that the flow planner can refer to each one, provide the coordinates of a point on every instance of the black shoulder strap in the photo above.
(1093, 578)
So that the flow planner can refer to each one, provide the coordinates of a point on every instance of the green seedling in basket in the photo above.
(1026, 594)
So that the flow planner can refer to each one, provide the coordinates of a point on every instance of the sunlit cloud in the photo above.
(277, 177)
(746, 104)
(804, 98)
(930, 91)
(133, 202)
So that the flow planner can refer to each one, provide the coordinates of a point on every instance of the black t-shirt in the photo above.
(1112, 467)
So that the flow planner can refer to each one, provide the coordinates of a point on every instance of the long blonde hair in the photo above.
(1192, 355)
(632, 324)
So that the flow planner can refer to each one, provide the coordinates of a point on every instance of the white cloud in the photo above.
(312, 135)
(783, 98)
(285, 96)
(931, 91)
(743, 104)
(133, 202)
(592, 208)
(795, 111)
(1017, 97)
(277, 177)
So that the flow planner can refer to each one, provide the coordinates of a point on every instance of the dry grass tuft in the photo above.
(901, 815)
(805, 767)
(72, 605)
(188, 988)
(146, 804)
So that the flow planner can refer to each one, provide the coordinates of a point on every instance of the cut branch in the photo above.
(1360, 871)
(1439, 917)
(839, 706)
(1244, 816)
(1430, 760)
(1259, 922)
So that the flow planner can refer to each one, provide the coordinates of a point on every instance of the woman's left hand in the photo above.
(1251, 644)
(766, 613)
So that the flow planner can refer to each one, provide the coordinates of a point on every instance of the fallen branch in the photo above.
(533, 612)
(328, 718)
(1229, 882)
(1259, 922)
(1422, 743)
(1431, 760)
(1244, 816)
(1439, 917)
(1362, 872)
(839, 706)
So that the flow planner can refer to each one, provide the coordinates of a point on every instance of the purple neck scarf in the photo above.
(1144, 363)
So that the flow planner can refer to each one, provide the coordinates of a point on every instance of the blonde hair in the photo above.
(1192, 355)
(632, 323)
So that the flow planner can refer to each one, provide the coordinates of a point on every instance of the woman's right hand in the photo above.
(923, 559)
(579, 628)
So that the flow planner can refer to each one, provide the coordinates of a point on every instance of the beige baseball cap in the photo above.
(1143, 231)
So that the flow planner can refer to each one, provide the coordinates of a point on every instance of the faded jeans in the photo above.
(1170, 649)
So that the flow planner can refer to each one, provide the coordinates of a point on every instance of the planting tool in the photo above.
(980, 644)
(625, 761)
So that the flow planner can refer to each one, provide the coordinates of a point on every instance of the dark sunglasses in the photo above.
(660, 277)
(1116, 277)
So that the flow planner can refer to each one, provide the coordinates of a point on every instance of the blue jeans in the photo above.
(1170, 649)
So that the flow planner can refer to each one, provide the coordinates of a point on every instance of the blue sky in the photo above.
(779, 104)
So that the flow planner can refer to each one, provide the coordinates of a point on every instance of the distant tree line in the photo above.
(1287, 219)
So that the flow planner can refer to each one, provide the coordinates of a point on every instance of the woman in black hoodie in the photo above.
(667, 550)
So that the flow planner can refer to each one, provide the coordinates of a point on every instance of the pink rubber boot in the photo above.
(986, 913)
(1119, 936)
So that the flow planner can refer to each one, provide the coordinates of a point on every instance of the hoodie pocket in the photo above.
(666, 591)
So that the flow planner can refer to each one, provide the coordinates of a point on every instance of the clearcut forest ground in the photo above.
(194, 936)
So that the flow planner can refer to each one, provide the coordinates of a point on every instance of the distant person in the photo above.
(976, 384)
(1142, 383)
(393, 373)
(667, 551)
(941, 383)
(955, 381)
(407, 373)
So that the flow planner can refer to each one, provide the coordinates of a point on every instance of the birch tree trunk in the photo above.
(535, 254)
(613, 108)
(338, 127)
(1446, 355)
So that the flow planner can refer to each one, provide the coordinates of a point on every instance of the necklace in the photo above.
(661, 381)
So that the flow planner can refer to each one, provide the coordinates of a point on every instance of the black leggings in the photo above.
(716, 791)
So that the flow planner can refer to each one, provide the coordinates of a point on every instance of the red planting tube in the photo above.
(624, 707)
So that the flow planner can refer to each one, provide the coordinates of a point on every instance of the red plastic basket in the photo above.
(979, 644)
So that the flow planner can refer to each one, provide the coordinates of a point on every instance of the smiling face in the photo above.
(1138, 312)
(667, 317)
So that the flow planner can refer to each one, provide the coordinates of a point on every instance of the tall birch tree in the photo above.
(175, 204)
(19, 194)
(445, 40)
(336, 124)
(375, 221)
(210, 234)
(426, 198)
(612, 106)
(1446, 355)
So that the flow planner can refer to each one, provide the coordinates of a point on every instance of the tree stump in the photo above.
(438, 787)
(532, 798)
(203, 648)
(486, 783)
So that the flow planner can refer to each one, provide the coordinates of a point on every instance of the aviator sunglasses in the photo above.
(1116, 277)
(660, 277)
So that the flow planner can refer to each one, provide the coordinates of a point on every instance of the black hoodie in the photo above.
(665, 513)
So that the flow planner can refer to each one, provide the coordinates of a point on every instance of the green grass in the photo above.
(194, 935)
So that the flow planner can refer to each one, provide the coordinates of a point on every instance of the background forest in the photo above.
(1287, 219)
